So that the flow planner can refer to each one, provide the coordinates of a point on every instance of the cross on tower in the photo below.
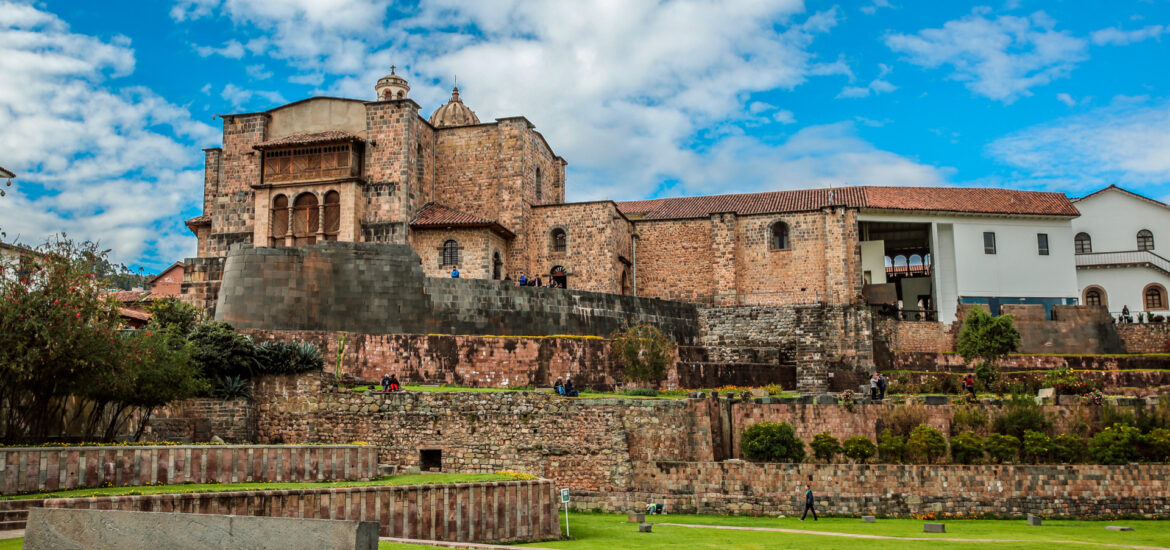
(392, 67)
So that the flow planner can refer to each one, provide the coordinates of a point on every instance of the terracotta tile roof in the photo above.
(135, 314)
(132, 296)
(308, 139)
(938, 199)
(437, 216)
(198, 220)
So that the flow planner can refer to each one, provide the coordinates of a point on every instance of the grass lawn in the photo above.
(405, 479)
(611, 532)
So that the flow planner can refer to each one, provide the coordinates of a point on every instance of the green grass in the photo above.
(405, 479)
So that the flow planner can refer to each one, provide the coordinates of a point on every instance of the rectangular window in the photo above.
(1042, 243)
(989, 242)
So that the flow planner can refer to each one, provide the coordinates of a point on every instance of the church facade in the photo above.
(489, 198)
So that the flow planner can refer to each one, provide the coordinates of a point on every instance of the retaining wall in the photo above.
(1145, 337)
(746, 488)
(36, 469)
(464, 512)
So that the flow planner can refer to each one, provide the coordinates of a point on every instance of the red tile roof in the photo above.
(308, 139)
(198, 220)
(437, 216)
(135, 314)
(936, 199)
(132, 296)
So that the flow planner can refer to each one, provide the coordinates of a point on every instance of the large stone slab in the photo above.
(934, 527)
(63, 529)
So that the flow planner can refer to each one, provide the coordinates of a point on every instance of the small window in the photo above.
(779, 237)
(430, 460)
(1084, 243)
(1042, 243)
(497, 265)
(1092, 297)
(538, 185)
(560, 240)
(989, 242)
(1155, 298)
(1145, 240)
(451, 253)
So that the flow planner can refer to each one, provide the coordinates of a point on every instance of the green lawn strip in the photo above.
(405, 479)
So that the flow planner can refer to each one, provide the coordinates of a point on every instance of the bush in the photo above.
(1020, 415)
(969, 418)
(859, 448)
(222, 352)
(902, 419)
(967, 448)
(1066, 381)
(825, 446)
(1037, 447)
(771, 442)
(1116, 444)
(1002, 448)
(274, 357)
(644, 352)
(986, 338)
(926, 444)
(641, 392)
(232, 387)
(1068, 448)
(989, 376)
(174, 316)
(891, 448)
(1158, 445)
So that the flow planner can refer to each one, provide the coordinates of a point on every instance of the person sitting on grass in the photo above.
(559, 387)
(394, 385)
(569, 390)
(385, 382)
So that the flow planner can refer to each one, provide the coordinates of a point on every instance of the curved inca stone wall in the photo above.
(380, 289)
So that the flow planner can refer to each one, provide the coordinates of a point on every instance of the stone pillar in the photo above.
(289, 238)
(723, 252)
(321, 222)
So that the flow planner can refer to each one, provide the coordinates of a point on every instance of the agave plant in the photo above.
(232, 387)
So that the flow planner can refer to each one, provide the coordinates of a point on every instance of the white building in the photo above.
(1000, 247)
(1121, 243)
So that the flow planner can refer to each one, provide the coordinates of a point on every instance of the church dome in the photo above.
(391, 86)
(454, 113)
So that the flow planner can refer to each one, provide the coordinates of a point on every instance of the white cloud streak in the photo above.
(1114, 36)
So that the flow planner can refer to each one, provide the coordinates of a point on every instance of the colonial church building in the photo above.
(489, 197)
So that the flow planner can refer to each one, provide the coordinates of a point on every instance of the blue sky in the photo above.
(104, 107)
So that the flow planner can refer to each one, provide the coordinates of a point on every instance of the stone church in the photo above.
(489, 197)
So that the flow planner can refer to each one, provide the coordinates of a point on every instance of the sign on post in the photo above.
(565, 500)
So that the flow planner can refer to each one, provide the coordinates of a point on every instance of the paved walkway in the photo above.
(13, 534)
(443, 544)
(883, 537)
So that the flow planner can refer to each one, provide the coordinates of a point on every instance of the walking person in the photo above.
(808, 504)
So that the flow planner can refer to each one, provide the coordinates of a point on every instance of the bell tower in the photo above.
(391, 86)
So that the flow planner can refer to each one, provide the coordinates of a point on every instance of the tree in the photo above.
(859, 448)
(771, 442)
(825, 446)
(926, 444)
(985, 339)
(644, 352)
(174, 315)
(222, 352)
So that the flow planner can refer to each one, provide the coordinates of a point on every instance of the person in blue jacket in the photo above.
(808, 504)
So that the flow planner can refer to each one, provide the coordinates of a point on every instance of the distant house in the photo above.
(168, 282)
(1121, 249)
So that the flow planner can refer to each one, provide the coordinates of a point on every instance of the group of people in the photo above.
(525, 280)
(390, 383)
(877, 386)
(565, 388)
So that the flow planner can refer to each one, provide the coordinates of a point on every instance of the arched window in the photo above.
(1145, 240)
(451, 252)
(332, 224)
(306, 219)
(497, 265)
(625, 281)
(779, 236)
(900, 261)
(1155, 297)
(401, 94)
(1095, 296)
(538, 185)
(560, 240)
(1083, 243)
(279, 226)
(915, 260)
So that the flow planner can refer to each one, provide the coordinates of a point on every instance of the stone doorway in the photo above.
(559, 276)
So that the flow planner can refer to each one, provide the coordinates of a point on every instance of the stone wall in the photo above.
(380, 289)
(1145, 337)
(35, 469)
(894, 490)
(464, 512)
(1128, 374)
(597, 248)
(919, 336)
(198, 419)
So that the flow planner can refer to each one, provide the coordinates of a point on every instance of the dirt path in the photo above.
(884, 537)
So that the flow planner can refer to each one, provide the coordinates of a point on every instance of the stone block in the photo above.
(636, 517)
(644, 528)
(1068, 400)
(1033, 520)
(1107, 528)
(107, 529)
(937, 400)
(827, 399)
(868, 519)
(1046, 392)
(934, 527)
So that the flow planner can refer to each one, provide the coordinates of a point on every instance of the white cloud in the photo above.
(1066, 99)
(873, 7)
(239, 96)
(231, 49)
(1118, 37)
(259, 72)
(1001, 58)
(876, 86)
(1127, 142)
(97, 161)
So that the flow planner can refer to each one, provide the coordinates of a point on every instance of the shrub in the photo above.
(986, 338)
(641, 392)
(1068, 448)
(825, 446)
(891, 448)
(967, 448)
(989, 376)
(1157, 447)
(1066, 381)
(859, 448)
(221, 351)
(644, 352)
(1037, 447)
(1020, 415)
(274, 357)
(1116, 444)
(902, 419)
(771, 442)
(232, 387)
(173, 315)
(969, 418)
(926, 444)
(1002, 448)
